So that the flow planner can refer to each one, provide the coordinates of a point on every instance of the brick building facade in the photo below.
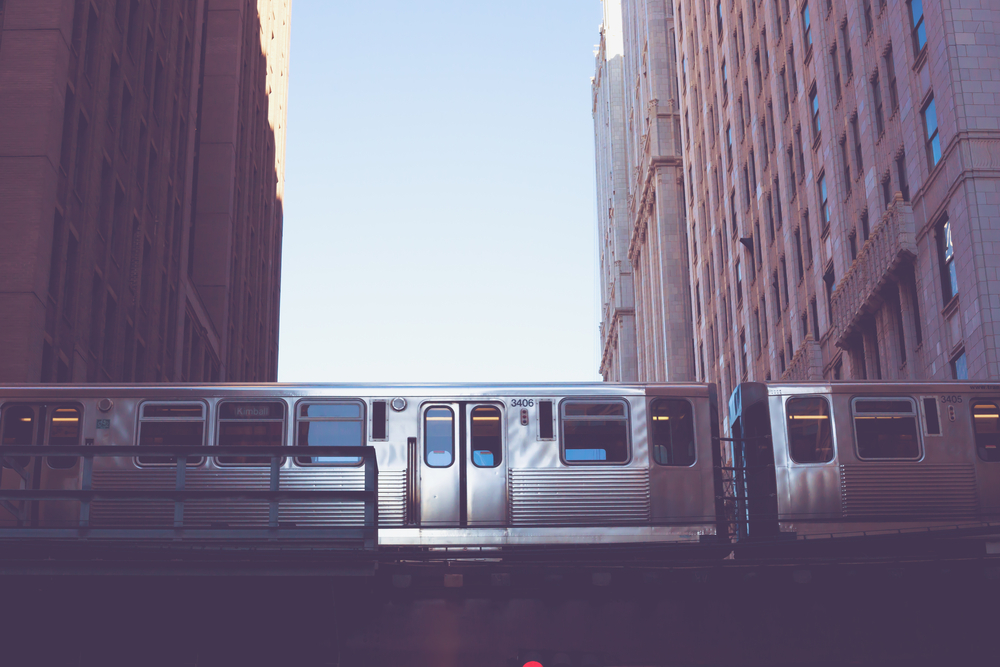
(843, 188)
(141, 169)
(842, 183)
(640, 199)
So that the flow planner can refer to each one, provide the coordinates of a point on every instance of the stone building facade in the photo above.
(618, 354)
(645, 279)
(141, 170)
(843, 188)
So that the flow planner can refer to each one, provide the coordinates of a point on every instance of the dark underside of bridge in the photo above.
(761, 609)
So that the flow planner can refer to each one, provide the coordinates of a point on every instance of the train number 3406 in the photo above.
(522, 403)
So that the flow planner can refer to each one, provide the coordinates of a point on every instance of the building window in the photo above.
(743, 353)
(856, 135)
(890, 73)
(846, 164)
(752, 163)
(725, 83)
(946, 259)
(918, 30)
(718, 18)
(729, 145)
(904, 184)
(877, 98)
(864, 225)
(810, 430)
(775, 296)
(756, 69)
(869, 21)
(814, 106)
(853, 240)
(807, 237)
(824, 202)
(959, 369)
(340, 423)
(886, 428)
(594, 432)
(763, 314)
(784, 281)
(777, 201)
(739, 282)
(672, 432)
(806, 27)
(829, 282)
(886, 191)
(932, 142)
(845, 35)
(791, 173)
(791, 72)
(814, 313)
(784, 94)
(836, 71)
(798, 254)
(756, 331)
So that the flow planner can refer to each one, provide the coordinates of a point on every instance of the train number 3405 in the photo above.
(522, 403)
(951, 399)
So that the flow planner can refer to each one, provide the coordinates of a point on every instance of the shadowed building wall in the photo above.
(141, 166)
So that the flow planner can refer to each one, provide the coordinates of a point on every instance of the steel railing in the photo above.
(18, 502)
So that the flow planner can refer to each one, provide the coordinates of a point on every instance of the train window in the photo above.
(545, 421)
(18, 429)
(64, 430)
(672, 432)
(439, 437)
(487, 442)
(171, 424)
(379, 420)
(931, 419)
(338, 424)
(986, 420)
(250, 424)
(810, 433)
(594, 432)
(886, 428)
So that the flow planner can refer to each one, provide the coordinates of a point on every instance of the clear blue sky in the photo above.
(439, 192)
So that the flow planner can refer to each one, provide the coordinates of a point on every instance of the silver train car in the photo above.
(850, 458)
(458, 465)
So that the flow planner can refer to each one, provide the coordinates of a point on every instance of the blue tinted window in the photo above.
(439, 437)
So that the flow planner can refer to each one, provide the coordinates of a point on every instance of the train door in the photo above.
(986, 431)
(33, 424)
(462, 465)
(679, 484)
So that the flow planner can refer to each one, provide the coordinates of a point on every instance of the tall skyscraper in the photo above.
(842, 161)
(141, 172)
(646, 307)
(840, 186)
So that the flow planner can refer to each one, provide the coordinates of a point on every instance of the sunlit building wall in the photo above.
(641, 220)
(141, 169)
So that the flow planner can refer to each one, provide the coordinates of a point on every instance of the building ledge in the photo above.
(807, 364)
(892, 244)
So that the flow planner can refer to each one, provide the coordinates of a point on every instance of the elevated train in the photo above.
(518, 465)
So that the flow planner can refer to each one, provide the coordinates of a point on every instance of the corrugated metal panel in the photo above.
(589, 496)
(392, 494)
(908, 489)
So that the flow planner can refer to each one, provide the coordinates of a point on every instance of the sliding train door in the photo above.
(462, 464)
(36, 424)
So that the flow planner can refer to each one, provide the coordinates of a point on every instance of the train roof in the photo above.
(451, 389)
